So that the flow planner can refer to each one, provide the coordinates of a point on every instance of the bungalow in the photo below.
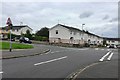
(17, 30)
(65, 34)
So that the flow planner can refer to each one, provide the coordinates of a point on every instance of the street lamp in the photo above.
(82, 26)
(82, 32)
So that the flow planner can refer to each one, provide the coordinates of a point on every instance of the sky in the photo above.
(100, 18)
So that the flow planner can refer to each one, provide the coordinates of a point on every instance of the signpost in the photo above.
(9, 23)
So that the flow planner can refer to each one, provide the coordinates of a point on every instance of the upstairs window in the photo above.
(74, 33)
(113, 41)
(13, 30)
(70, 32)
(56, 31)
(17, 30)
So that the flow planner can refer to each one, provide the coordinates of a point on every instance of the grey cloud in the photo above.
(86, 14)
(38, 15)
(113, 19)
(105, 17)
(108, 30)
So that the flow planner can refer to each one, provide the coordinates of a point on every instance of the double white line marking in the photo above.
(109, 57)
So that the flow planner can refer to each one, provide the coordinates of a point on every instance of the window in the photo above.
(113, 41)
(74, 33)
(70, 32)
(80, 33)
(13, 30)
(56, 31)
(71, 38)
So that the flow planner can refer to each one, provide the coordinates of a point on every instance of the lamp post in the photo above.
(82, 30)
(82, 26)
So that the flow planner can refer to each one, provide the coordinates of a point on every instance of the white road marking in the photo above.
(81, 70)
(84, 49)
(52, 52)
(50, 61)
(110, 56)
(108, 49)
(78, 49)
(55, 51)
(105, 56)
(47, 53)
(1, 72)
(96, 48)
(102, 49)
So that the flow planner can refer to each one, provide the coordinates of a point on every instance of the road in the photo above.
(61, 62)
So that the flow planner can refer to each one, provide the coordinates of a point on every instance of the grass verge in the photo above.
(5, 45)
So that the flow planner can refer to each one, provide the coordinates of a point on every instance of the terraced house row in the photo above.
(65, 34)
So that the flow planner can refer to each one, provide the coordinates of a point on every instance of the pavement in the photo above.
(17, 53)
(60, 63)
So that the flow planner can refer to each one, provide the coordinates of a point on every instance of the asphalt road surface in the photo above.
(61, 62)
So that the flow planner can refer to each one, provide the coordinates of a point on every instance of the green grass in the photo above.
(5, 45)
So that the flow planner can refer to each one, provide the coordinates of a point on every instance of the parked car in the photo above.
(118, 46)
(25, 40)
(13, 39)
(111, 46)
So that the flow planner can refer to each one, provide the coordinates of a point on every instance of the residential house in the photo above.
(17, 30)
(65, 34)
(3, 32)
(112, 41)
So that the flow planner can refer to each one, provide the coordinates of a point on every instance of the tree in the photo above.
(44, 32)
(104, 42)
(28, 34)
(12, 36)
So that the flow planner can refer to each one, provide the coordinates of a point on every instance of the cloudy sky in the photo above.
(100, 18)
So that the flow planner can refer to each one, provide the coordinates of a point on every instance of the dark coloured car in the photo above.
(24, 40)
(13, 39)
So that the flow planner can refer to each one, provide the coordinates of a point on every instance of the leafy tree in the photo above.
(40, 38)
(28, 34)
(104, 42)
(44, 32)
(12, 36)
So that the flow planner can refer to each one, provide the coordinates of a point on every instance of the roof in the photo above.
(16, 27)
(91, 34)
(75, 29)
(70, 28)
(115, 39)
